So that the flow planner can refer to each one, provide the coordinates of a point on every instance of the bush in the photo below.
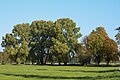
(84, 59)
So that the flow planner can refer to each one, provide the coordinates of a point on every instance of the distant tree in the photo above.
(118, 35)
(118, 38)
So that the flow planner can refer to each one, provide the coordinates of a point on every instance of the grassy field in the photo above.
(33, 72)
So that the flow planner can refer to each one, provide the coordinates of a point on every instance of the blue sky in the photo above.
(88, 14)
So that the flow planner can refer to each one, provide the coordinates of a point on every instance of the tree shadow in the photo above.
(103, 65)
(42, 69)
(60, 77)
(114, 70)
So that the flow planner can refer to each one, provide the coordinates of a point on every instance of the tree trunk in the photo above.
(45, 61)
(42, 56)
(41, 60)
(59, 63)
(32, 62)
(65, 63)
(108, 61)
(98, 59)
(98, 62)
(51, 63)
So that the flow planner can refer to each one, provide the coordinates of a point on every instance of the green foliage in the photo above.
(48, 41)
(60, 50)
(59, 47)
(118, 35)
(57, 38)
(16, 43)
(65, 38)
(40, 42)
(69, 30)
(21, 32)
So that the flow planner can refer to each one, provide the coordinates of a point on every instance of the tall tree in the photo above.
(70, 33)
(94, 43)
(16, 43)
(41, 39)
(21, 33)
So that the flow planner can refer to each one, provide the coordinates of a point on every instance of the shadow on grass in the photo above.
(42, 69)
(59, 77)
(114, 70)
(91, 65)
(103, 65)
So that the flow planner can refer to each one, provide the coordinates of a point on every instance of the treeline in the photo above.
(43, 42)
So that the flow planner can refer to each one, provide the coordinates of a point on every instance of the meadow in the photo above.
(36, 72)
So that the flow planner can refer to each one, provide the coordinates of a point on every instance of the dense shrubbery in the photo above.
(57, 42)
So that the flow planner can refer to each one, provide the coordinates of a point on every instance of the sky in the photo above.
(88, 14)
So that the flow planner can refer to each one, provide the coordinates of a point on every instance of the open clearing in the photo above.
(35, 72)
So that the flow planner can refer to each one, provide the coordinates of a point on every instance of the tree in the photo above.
(21, 33)
(118, 35)
(100, 45)
(41, 32)
(110, 50)
(118, 38)
(64, 39)
(16, 43)
(60, 51)
(94, 43)
(9, 42)
(69, 34)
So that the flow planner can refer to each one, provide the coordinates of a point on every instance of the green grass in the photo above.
(33, 72)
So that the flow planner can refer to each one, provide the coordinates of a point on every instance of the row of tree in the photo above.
(48, 41)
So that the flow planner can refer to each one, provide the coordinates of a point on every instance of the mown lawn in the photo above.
(35, 72)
